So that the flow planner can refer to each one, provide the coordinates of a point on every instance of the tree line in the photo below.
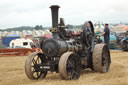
(37, 27)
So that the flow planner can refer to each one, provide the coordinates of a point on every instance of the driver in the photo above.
(88, 33)
(88, 28)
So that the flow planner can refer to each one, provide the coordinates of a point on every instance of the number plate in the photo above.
(44, 67)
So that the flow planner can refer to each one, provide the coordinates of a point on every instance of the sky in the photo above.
(15, 13)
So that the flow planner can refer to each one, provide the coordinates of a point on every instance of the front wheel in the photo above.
(32, 66)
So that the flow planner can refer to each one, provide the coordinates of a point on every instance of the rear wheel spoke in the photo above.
(70, 63)
(76, 73)
(72, 73)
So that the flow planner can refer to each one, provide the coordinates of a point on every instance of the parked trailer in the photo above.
(22, 42)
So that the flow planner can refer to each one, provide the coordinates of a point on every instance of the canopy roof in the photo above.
(99, 27)
(119, 28)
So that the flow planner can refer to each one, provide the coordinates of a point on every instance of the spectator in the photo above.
(106, 35)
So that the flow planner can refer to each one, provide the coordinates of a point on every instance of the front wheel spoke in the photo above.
(37, 60)
(33, 66)
(34, 62)
(37, 74)
(33, 71)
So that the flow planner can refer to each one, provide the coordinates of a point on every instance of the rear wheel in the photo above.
(101, 58)
(70, 66)
(32, 66)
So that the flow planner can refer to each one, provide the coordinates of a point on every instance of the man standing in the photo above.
(106, 35)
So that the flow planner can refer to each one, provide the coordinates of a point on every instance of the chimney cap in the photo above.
(52, 6)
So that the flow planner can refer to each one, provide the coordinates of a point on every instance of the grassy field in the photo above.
(12, 73)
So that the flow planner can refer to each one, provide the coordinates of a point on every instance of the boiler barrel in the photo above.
(56, 47)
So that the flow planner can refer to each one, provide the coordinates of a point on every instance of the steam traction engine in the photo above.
(67, 55)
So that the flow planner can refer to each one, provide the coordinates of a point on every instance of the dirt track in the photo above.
(12, 73)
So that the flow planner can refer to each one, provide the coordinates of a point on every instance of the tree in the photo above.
(41, 27)
(37, 27)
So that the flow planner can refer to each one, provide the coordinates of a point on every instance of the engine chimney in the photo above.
(54, 10)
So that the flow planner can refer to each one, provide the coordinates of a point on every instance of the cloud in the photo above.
(31, 12)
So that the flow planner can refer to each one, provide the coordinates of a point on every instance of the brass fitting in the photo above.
(53, 30)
